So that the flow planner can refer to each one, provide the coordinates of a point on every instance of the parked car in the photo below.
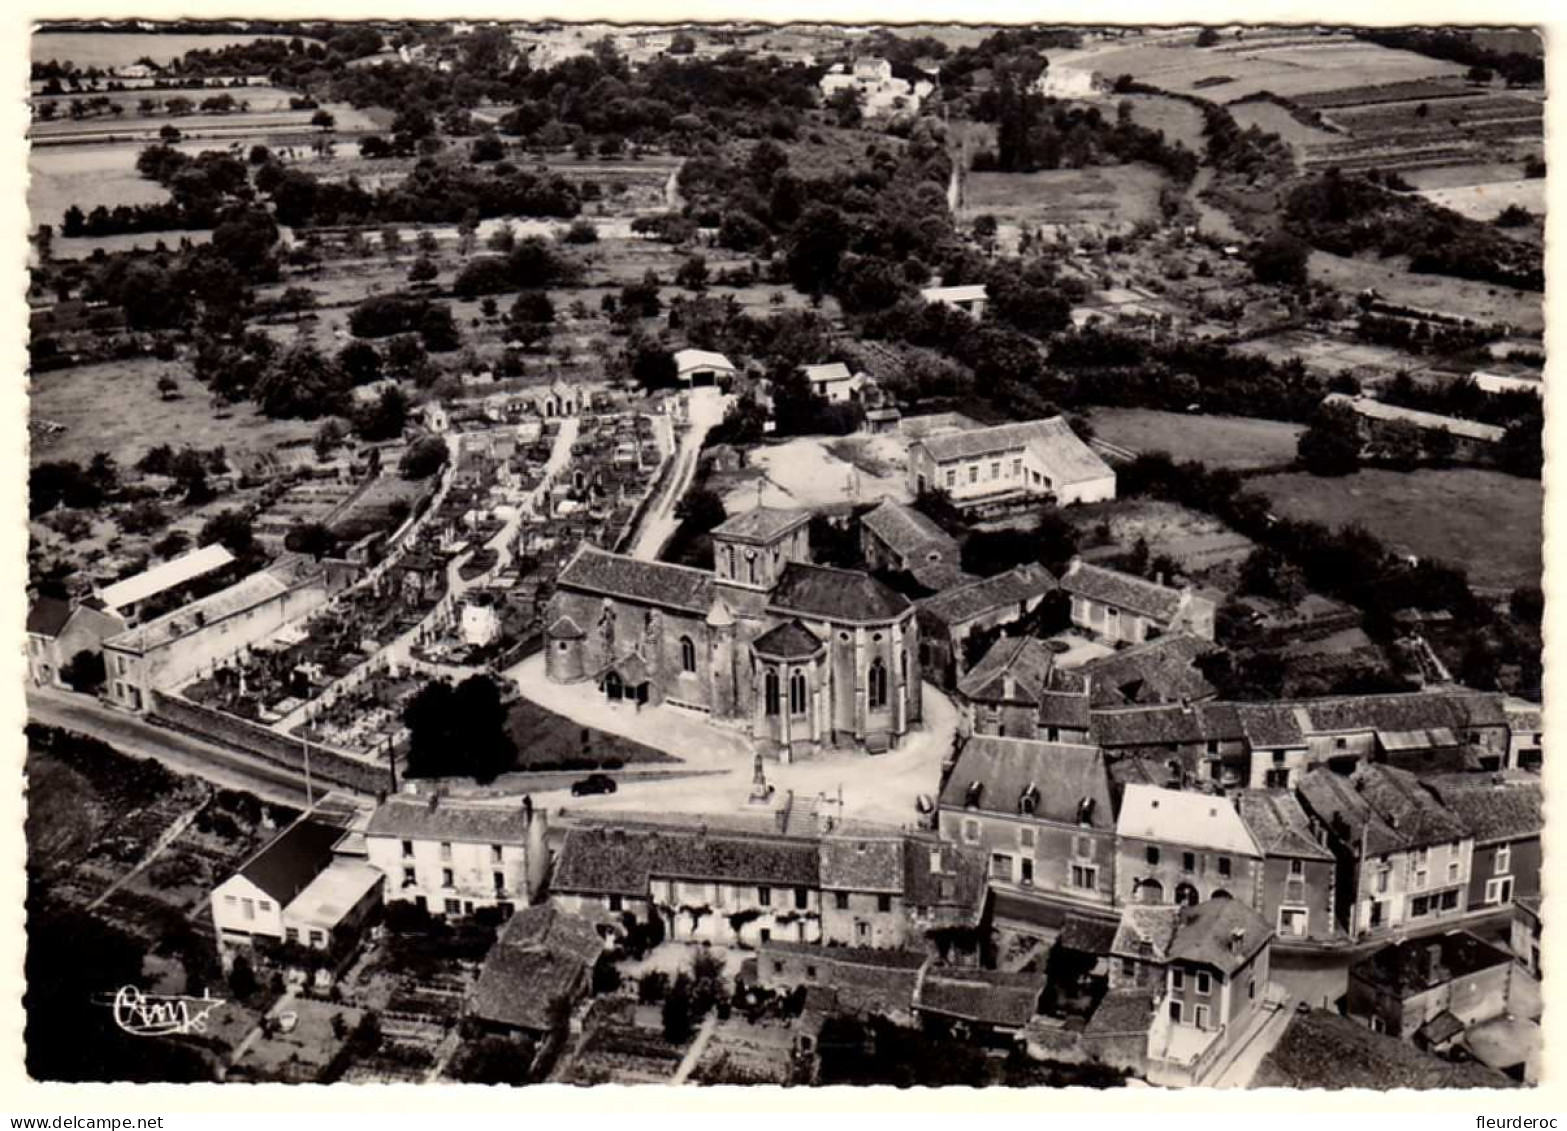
(593, 783)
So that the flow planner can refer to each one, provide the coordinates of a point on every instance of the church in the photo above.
(803, 656)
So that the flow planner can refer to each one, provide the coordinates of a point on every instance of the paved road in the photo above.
(706, 408)
(180, 752)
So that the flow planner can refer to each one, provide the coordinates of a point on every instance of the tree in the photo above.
(438, 330)
(328, 438)
(677, 1011)
(1331, 445)
(581, 232)
(242, 978)
(360, 363)
(84, 672)
(43, 241)
(654, 367)
(231, 529)
(701, 509)
(310, 538)
(1279, 260)
(104, 472)
(423, 271)
(297, 301)
(424, 458)
(324, 120)
(384, 418)
(459, 731)
(1208, 37)
(692, 273)
(427, 244)
(391, 242)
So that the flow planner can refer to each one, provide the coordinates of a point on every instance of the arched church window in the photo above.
(797, 693)
(770, 691)
(878, 684)
(687, 654)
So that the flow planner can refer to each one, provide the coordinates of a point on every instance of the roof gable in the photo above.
(1065, 782)
(1176, 816)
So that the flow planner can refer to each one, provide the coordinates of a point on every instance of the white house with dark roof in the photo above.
(1124, 608)
(1010, 463)
(297, 888)
(126, 599)
(970, 298)
(835, 381)
(1182, 847)
(57, 631)
(803, 656)
(451, 857)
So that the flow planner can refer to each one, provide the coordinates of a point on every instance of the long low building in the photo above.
(1011, 462)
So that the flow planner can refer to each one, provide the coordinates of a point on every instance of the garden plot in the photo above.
(1480, 301)
(1198, 542)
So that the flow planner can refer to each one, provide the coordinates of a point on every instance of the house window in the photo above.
(1292, 921)
(770, 691)
(952, 478)
(1213, 746)
(1128, 968)
(446, 850)
(447, 879)
(1499, 891)
(1053, 734)
(1419, 907)
(1452, 871)
(878, 684)
(1026, 871)
(765, 934)
(1421, 856)
(1420, 878)
(1188, 861)
(862, 932)
(230, 900)
(687, 654)
(292, 934)
(408, 848)
(317, 938)
(1151, 854)
(1202, 1017)
(840, 900)
(810, 971)
(1017, 469)
(884, 903)
(1297, 868)
(1384, 875)
(1341, 744)
(409, 879)
(995, 469)
(1177, 978)
(265, 905)
(970, 831)
(797, 693)
(1224, 865)
(614, 903)
(1204, 983)
(802, 899)
(1450, 900)
(777, 966)
(764, 896)
(1001, 865)
(1025, 837)
(496, 854)
(454, 907)
(1504, 860)
(248, 906)
(1085, 877)
(500, 882)
(1175, 1012)
(973, 473)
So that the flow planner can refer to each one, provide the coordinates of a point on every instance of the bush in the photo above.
(425, 458)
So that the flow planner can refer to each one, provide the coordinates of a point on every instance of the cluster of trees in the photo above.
(1457, 45)
(998, 49)
(1033, 134)
(1423, 336)
(1346, 213)
(459, 731)
(383, 316)
(528, 264)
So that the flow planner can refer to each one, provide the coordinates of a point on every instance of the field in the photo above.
(1286, 61)
(1487, 522)
(1327, 353)
(1108, 198)
(1274, 119)
(1180, 121)
(1430, 292)
(137, 419)
(120, 49)
(1486, 201)
(543, 738)
(1219, 441)
(88, 176)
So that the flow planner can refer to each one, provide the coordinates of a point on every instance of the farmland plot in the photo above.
(1486, 201)
(121, 49)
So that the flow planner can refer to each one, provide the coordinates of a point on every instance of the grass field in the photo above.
(543, 737)
(120, 49)
(1487, 522)
(1522, 309)
(114, 407)
(1276, 120)
(1110, 197)
(1180, 121)
(1486, 201)
(1327, 353)
(1219, 441)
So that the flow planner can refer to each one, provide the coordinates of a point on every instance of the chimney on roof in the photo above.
(527, 807)
(1237, 939)
(1085, 811)
(972, 796)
